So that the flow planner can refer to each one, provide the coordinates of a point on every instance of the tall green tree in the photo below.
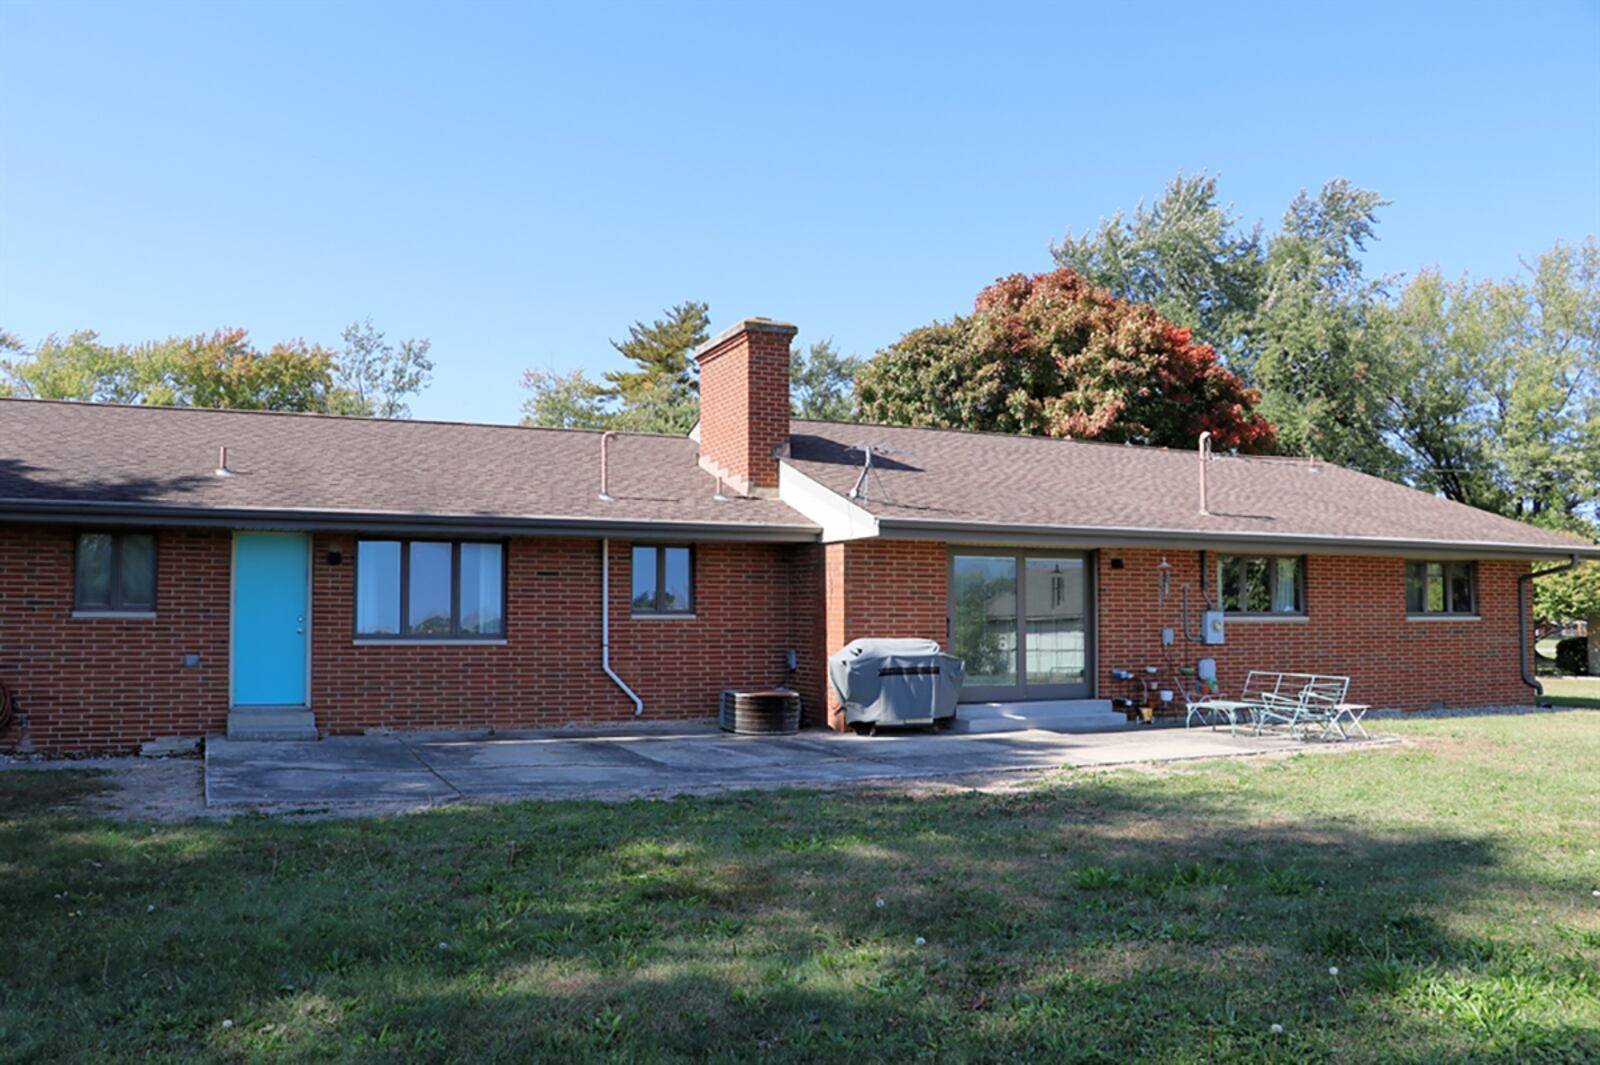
(379, 374)
(1187, 255)
(662, 356)
(1054, 355)
(822, 383)
(1569, 596)
(1496, 396)
(1288, 312)
(1311, 347)
(660, 395)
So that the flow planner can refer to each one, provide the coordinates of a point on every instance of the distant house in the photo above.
(164, 569)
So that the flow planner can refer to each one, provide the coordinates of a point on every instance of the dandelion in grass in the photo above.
(1276, 1029)
(227, 1024)
(879, 903)
(921, 942)
(1333, 970)
(443, 945)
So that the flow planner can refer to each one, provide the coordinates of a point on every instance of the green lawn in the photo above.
(1572, 691)
(1108, 916)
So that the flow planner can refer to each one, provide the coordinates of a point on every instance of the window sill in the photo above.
(1444, 617)
(380, 642)
(662, 617)
(1266, 619)
(115, 615)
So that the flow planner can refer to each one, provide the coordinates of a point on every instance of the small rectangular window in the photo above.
(378, 587)
(482, 580)
(663, 579)
(428, 598)
(429, 590)
(115, 573)
(1441, 588)
(1261, 584)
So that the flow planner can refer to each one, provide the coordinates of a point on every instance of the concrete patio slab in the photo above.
(336, 770)
(424, 770)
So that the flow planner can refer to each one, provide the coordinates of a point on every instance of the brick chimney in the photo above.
(744, 404)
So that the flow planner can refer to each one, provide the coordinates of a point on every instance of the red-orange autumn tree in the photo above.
(1053, 355)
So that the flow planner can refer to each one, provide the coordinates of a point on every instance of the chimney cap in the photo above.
(746, 325)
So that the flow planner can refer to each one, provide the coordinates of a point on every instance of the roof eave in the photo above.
(113, 513)
(1180, 539)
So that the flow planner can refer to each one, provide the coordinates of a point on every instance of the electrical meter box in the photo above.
(1211, 627)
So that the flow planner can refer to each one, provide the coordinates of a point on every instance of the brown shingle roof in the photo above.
(150, 456)
(944, 476)
(354, 470)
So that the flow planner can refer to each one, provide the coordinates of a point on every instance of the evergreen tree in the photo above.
(662, 354)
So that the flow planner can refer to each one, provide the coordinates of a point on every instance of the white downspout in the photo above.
(605, 628)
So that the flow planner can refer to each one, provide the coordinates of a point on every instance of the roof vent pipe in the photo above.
(222, 462)
(605, 465)
(1205, 457)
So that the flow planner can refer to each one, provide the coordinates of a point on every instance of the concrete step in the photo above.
(271, 723)
(1057, 715)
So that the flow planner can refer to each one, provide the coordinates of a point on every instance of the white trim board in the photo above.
(840, 518)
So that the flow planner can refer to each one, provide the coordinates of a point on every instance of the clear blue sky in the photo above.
(519, 182)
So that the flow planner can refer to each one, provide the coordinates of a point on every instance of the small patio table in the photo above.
(1350, 714)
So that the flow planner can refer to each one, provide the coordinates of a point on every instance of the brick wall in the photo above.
(548, 671)
(890, 588)
(1357, 626)
(94, 684)
(106, 685)
(1357, 623)
(744, 403)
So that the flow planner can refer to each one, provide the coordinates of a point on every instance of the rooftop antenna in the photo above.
(222, 462)
(859, 490)
(605, 465)
(1205, 457)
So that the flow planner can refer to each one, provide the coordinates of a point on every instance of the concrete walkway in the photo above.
(429, 769)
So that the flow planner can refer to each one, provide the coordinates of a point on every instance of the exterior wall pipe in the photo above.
(605, 629)
(1523, 582)
(605, 464)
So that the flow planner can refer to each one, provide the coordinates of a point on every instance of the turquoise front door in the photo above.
(269, 619)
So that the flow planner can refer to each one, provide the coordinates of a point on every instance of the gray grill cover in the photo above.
(895, 682)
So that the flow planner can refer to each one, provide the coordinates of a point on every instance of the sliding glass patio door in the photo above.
(1020, 619)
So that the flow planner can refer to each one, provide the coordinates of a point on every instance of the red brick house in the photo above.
(163, 570)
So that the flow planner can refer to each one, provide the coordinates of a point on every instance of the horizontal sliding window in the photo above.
(430, 589)
(663, 580)
(1441, 588)
(115, 573)
(1261, 584)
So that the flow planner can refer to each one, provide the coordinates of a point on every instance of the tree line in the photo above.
(368, 375)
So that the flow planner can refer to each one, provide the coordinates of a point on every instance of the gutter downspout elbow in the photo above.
(1523, 606)
(605, 629)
